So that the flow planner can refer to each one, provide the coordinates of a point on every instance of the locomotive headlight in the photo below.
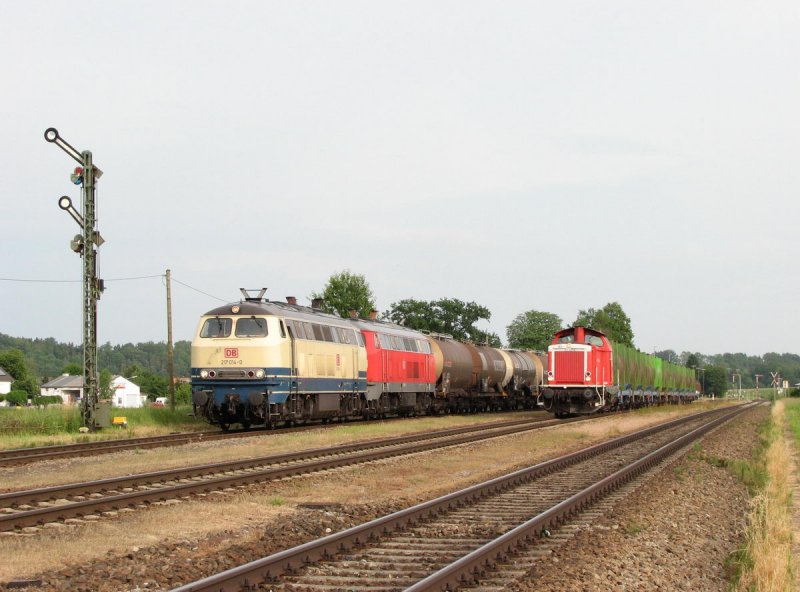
(588, 375)
(550, 375)
(203, 373)
(259, 374)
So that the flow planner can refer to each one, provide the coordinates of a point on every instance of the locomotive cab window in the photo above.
(594, 340)
(217, 327)
(566, 338)
(251, 327)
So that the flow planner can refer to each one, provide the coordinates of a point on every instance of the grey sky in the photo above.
(525, 155)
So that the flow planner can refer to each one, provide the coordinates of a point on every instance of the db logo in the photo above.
(231, 352)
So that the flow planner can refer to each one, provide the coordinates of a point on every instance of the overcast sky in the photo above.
(552, 156)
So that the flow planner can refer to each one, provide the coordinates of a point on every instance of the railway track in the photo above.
(457, 539)
(35, 507)
(20, 456)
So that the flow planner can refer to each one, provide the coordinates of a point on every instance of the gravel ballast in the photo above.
(674, 533)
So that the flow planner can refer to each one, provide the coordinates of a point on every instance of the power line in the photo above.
(141, 277)
(196, 290)
(124, 279)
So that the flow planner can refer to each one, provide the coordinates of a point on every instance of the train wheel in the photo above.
(224, 426)
(246, 425)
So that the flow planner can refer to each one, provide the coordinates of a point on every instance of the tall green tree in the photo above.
(104, 384)
(611, 320)
(670, 355)
(346, 291)
(715, 380)
(692, 361)
(72, 369)
(447, 315)
(533, 330)
(21, 370)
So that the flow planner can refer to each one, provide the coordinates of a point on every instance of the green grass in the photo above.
(754, 474)
(22, 427)
(162, 416)
(633, 528)
(793, 417)
(32, 420)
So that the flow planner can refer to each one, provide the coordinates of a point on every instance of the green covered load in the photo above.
(638, 369)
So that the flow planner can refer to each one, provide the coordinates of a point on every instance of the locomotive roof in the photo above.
(569, 330)
(384, 327)
(307, 313)
(280, 309)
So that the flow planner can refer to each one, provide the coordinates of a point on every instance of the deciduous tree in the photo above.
(346, 291)
(533, 330)
(13, 361)
(715, 381)
(611, 320)
(446, 315)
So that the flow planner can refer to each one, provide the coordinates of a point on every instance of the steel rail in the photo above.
(17, 456)
(471, 567)
(20, 497)
(315, 460)
(267, 569)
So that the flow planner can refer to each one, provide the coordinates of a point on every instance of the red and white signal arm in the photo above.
(231, 352)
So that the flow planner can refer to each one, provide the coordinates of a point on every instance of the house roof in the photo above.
(5, 376)
(65, 382)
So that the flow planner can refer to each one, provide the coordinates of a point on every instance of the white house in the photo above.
(126, 393)
(5, 382)
(69, 388)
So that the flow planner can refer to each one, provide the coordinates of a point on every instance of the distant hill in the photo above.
(50, 357)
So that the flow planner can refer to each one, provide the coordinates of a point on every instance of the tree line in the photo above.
(34, 361)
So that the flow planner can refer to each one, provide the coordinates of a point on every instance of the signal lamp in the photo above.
(77, 176)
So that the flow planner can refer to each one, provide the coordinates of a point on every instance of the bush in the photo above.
(47, 400)
(17, 398)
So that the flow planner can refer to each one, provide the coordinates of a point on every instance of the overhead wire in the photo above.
(123, 279)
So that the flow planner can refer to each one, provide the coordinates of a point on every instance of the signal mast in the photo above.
(85, 244)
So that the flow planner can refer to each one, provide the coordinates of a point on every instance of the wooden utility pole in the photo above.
(170, 352)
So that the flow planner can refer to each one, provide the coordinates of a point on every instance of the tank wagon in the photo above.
(587, 373)
(263, 362)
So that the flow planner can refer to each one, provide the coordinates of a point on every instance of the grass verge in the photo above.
(22, 427)
(764, 564)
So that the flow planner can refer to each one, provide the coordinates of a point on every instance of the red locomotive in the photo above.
(584, 376)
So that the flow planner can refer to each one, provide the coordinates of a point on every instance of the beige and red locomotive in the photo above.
(264, 362)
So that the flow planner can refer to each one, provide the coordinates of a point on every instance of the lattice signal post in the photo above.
(85, 244)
